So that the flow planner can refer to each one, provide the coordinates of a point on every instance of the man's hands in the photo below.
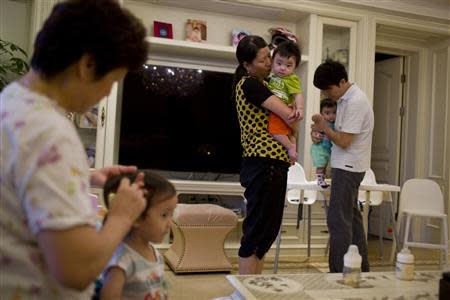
(317, 127)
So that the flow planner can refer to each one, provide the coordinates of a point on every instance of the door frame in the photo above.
(399, 158)
(411, 96)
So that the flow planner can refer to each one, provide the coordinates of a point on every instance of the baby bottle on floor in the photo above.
(404, 268)
(352, 266)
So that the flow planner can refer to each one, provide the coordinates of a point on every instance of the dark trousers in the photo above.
(264, 181)
(344, 220)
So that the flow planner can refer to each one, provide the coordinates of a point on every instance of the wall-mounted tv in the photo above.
(179, 120)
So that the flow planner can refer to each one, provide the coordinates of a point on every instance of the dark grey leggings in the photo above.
(344, 219)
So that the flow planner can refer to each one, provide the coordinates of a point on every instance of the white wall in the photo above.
(15, 22)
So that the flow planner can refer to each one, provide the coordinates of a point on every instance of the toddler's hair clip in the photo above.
(110, 199)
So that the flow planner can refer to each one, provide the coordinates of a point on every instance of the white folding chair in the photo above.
(423, 198)
(306, 195)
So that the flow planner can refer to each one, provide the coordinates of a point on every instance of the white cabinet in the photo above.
(335, 37)
(330, 38)
(337, 41)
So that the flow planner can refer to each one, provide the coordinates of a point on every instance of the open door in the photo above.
(388, 111)
(386, 141)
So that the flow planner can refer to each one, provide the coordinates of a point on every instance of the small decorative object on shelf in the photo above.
(237, 34)
(90, 153)
(195, 30)
(88, 119)
(341, 55)
(280, 34)
(162, 30)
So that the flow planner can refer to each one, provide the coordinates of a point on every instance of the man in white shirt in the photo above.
(350, 158)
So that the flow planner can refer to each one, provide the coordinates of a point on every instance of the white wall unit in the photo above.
(334, 39)
(368, 27)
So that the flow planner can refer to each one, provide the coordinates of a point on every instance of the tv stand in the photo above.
(208, 187)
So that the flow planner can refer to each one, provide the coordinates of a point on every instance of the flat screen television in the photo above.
(181, 121)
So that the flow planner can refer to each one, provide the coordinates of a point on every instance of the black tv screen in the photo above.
(180, 120)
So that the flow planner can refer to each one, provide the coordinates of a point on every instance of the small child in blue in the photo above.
(321, 152)
(136, 271)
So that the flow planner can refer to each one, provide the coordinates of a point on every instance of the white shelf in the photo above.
(179, 48)
(162, 47)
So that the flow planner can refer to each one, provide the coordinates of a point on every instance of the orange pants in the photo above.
(278, 126)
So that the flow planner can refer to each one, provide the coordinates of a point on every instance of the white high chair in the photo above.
(300, 192)
(423, 198)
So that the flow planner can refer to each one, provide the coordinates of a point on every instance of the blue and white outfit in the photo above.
(321, 152)
(143, 279)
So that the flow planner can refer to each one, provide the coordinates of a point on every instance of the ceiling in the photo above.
(431, 8)
(435, 9)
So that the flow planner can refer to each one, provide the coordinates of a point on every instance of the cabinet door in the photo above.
(338, 42)
(96, 129)
(87, 125)
(335, 39)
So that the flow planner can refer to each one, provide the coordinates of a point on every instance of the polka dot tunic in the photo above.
(253, 120)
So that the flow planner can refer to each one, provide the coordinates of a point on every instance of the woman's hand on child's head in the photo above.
(99, 176)
(129, 201)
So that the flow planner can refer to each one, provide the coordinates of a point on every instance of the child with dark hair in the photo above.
(321, 152)
(286, 85)
(136, 270)
(50, 248)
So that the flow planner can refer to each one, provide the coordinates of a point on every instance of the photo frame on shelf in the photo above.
(237, 34)
(162, 30)
(196, 30)
(88, 119)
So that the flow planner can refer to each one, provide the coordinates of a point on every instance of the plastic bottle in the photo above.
(404, 268)
(352, 266)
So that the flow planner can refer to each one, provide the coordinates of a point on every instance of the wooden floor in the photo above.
(214, 285)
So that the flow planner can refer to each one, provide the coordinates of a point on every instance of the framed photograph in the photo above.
(162, 30)
(196, 30)
(237, 34)
(88, 119)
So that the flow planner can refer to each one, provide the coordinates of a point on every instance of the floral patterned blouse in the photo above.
(44, 185)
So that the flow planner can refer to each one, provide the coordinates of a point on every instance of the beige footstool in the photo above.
(199, 232)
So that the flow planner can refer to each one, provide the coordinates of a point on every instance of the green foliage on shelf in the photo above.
(13, 62)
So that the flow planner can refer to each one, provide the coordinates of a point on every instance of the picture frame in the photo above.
(196, 31)
(162, 30)
(88, 120)
(237, 34)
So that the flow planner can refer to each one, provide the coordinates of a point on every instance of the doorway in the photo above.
(388, 106)
(389, 113)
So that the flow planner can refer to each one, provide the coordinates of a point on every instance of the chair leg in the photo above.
(445, 241)
(299, 214)
(325, 207)
(309, 231)
(380, 233)
(408, 223)
(277, 251)
(395, 240)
